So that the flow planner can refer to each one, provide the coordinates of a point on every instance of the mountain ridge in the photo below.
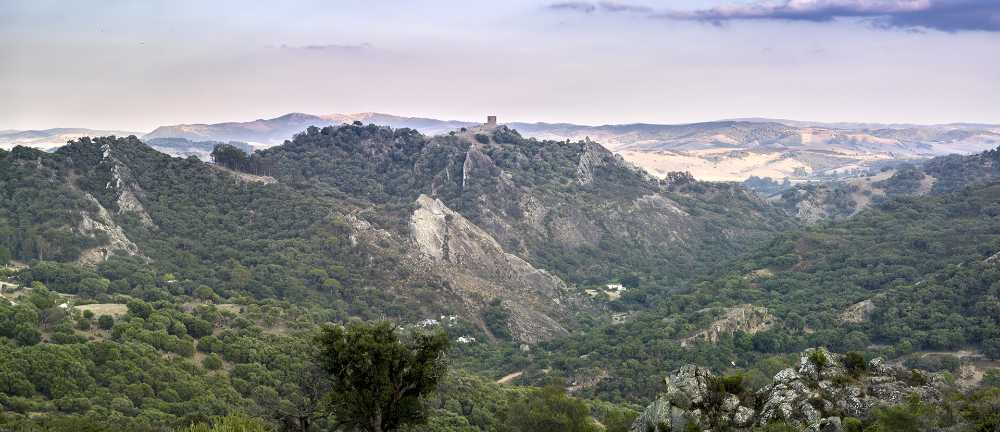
(722, 150)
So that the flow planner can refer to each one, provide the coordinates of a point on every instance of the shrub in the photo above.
(855, 363)
(212, 362)
(851, 424)
(105, 322)
(917, 378)
(83, 324)
(733, 384)
(818, 358)
(232, 423)
(991, 378)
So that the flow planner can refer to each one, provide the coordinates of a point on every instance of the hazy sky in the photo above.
(135, 65)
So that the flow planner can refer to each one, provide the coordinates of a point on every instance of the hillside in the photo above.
(841, 199)
(217, 275)
(913, 276)
(465, 224)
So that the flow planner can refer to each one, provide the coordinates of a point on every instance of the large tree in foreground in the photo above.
(379, 374)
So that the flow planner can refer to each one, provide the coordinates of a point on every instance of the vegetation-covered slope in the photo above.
(913, 274)
(842, 199)
(372, 221)
(570, 207)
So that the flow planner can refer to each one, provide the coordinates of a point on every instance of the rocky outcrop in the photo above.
(126, 192)
(745, 318)
(103, 224)
(859, 312)
(469, 258)
(477, 163)
(590, 160)
(816, 396)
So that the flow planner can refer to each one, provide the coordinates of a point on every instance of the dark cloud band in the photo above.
(943, 15)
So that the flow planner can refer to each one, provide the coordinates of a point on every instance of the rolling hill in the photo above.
(721, 150)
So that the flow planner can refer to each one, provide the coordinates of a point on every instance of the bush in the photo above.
(818, 358)
(212, 362)
(934, 363)
(140, 309)
(496, 316)
(549, 409)
(779, 426)
(855, 363)
(733, 384)
(232, 423)
(105, 322)
(851, 424)
(991, 378)
(83, 324)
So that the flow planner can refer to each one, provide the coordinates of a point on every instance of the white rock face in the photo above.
(746, 318)
(859, 312)
(118, 242)
(475, 262)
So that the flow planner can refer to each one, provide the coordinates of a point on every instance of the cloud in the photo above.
(943, 15)
(604, 6)
(331, 48)
(623, 7)
(573, 7)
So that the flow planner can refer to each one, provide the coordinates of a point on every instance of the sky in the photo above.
(126, 65)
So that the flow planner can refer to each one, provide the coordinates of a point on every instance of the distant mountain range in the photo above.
(51, 138)
(718, 150)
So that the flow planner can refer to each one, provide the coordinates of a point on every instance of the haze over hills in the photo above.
(718, 150)
(726, 150)
(51, 138)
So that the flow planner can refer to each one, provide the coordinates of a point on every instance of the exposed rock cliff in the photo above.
(471, 259)
(125, 191)
(817, 396)
(859, 312)
(745, 318)
(103, 224)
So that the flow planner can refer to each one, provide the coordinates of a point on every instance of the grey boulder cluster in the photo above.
(823, 393)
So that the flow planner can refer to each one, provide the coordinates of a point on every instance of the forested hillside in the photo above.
(843, 199)
(911, 276)
(170, 290)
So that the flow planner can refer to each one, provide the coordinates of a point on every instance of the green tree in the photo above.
(914, 415)
(991, 378)
(105, 322)
(550, 409)
(140, 309)
(379, 376)
(232, 423)
(496, 316)
(212, 362)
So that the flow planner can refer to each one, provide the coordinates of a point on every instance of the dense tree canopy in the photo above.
(378, 379)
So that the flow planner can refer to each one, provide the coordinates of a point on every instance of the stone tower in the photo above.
(491, 121)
